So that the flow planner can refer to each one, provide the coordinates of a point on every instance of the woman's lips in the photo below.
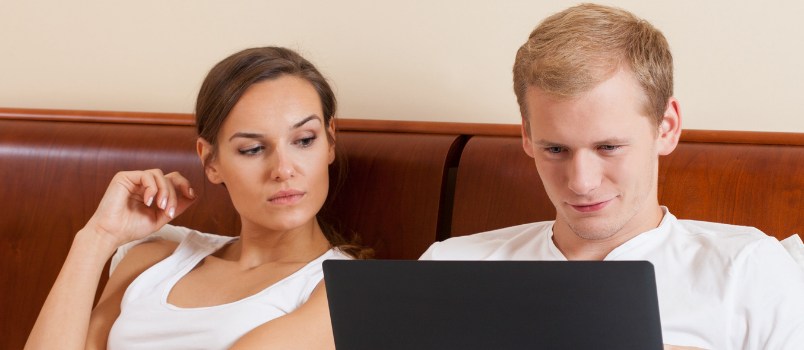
(286, 197)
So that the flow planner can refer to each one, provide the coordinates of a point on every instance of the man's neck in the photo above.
(575, 247)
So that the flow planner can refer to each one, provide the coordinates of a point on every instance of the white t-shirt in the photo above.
(148, 321)
(720, 286)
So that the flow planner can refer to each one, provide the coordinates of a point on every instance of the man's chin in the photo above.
(593, 229)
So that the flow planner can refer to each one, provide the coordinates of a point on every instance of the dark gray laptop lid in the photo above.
(394, 304)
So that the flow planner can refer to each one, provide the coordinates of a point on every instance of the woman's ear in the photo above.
(669, 128)
(331, 138)
(205, 152)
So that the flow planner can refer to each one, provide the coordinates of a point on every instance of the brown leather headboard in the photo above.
(743, 178)
(53, 175)
(497, 186)
(56, 165)
(408, 184)
(392, 192)
(750, 179)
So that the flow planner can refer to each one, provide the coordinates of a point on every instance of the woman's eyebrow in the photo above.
(305, 120)
(248, 135)
(252, 135)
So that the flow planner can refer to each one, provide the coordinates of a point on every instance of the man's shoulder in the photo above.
(484, 245)
(720, 232)
(725, 239)
(507, 231)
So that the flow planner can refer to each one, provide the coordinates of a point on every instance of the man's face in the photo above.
(597, 155)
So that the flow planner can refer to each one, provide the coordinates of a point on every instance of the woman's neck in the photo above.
(257, 246)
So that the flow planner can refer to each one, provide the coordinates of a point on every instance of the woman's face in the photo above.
(273, 155)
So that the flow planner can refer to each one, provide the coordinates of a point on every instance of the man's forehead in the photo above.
(619, 94)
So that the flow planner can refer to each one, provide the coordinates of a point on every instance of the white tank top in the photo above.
(148, 321)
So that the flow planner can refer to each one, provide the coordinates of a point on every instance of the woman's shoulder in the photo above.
(153, 249)
(166, 240)
(143, 255)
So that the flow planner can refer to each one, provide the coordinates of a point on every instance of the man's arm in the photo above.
(770, 299)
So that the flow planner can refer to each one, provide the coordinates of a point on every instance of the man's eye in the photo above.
(554, 149)
(609, 147)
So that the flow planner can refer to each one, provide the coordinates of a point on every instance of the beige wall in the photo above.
(738, 63)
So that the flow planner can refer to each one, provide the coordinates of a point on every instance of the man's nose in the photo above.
(584, 173)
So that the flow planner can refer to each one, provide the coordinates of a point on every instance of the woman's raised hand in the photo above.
(138, 203)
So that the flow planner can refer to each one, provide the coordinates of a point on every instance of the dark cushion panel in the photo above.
(497, 186)
(392, 191)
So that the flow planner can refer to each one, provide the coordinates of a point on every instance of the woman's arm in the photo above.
(125, 213)
(139, 258)
(63, 320)
(308, 327)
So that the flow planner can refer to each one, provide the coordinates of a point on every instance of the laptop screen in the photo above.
(408, 304)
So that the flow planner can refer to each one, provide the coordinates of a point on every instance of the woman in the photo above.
(265, 125)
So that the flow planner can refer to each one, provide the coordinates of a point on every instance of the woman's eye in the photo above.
(251, 150)
(305, 142)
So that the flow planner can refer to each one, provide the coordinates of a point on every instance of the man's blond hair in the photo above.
(574, 50)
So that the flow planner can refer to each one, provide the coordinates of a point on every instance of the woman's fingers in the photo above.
(167, 194)
(184, 194)
(157, 190)
(173, 192)
(161, 185)
(150, 189)
(182, 184)
(138, 203)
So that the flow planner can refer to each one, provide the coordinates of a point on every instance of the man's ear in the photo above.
(670, 128)
(331, 132)
(527, 143)
(204, 150)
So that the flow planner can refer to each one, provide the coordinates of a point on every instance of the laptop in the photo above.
(408, 304)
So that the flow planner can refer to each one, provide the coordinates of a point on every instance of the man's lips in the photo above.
(286, 197)
(589, 207)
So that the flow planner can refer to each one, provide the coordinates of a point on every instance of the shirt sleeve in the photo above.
(795, 246)
(428, 254)
(769, 299)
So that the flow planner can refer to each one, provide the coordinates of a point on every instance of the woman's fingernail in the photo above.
(192, 193)
(163, 203)
(172, 212)
(149, 201)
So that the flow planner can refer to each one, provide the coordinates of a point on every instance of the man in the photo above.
(594, 85)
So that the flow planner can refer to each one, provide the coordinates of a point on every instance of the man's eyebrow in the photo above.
(609, 141)
(613, 141)
(305, 120)
(547, 143)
